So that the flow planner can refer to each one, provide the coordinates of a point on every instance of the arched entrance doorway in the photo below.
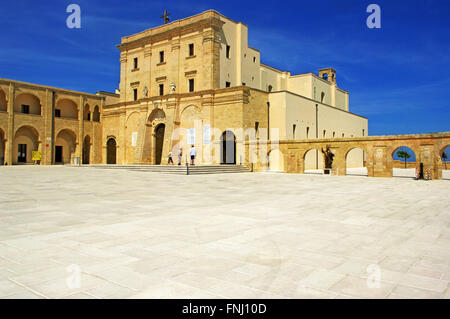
(111, 151)
(276, 161)
(228, 148)
(86, 149)
(65, 145)
(26, 140)
(159, 142)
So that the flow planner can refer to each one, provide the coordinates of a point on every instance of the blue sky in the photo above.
(398, 76)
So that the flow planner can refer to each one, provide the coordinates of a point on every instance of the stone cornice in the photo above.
(154, 35)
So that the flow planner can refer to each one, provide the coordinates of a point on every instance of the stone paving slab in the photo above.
(74, 232)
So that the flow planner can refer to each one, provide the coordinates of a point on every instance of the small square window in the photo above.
(57, 113)
(228, 52)
(161, 89)
(191, 49)
(25, 109)
(227, 84)
(191, 85)
(135, 63)
(135, 94)
(161, 56)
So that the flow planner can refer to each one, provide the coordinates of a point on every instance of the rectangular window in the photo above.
(257, 129)
(334, 134)
(228, 51)
(161, 56)
(227, 84)
(57, 113)
(191, 85)
(324, 133)
(191, 49)
(161, 89)
(294, 127)
(135, 62)
(364, 132)
(243, 83)
(25, 109)
(135, 94)
(307, 132)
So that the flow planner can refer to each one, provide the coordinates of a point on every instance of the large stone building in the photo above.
(191, 81)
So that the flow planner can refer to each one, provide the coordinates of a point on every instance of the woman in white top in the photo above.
(192, 155)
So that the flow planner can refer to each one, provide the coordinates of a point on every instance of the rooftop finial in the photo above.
(165, 16)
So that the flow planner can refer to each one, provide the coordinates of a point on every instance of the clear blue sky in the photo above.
(398, 76)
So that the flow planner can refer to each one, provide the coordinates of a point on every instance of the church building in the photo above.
(193, 81)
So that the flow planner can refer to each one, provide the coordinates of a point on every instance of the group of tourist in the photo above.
(180, 156)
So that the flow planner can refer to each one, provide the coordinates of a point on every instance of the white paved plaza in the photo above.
(70, 232)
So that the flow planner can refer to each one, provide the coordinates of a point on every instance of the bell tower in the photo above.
(328, 74)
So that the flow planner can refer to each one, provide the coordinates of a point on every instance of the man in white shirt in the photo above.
(192, 155)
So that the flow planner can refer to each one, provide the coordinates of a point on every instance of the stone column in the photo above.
(10, 132)
(80, 130)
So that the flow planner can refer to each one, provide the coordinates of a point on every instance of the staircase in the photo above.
(180, 170)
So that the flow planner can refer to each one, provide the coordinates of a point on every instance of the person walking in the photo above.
(170, 158)
(192, 155)
(180, 156)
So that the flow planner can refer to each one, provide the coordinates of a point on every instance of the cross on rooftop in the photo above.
(165, 16)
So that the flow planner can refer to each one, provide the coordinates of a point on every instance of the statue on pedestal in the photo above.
(328, 157)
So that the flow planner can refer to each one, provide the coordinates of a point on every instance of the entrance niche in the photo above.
(2, 147)
(159, 142)
(276, 162)
(86, 149)
(313, 162)
(111, 151)
(65, 145)
(2, 101)
(404, 162)
(26, 140)
(228, 148)
(445, 157)
(355, 162)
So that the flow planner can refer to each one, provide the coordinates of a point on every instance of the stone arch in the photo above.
(445, 161)
(3, 102)
(32, 102)
(400, 168)
(156, 115)
(87, 113)
(96, 114)
(313, 161)
(67, 108)
(65, 146)
(356, 161)
(111, 150)
(26, 140)
(228, 148)
(276, 160)
(86, 150)
(190, 108)
(2, 146)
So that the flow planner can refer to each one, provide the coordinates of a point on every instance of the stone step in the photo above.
(181, 170)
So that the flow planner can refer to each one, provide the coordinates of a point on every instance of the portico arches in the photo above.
(3, 102)
(26, 140)
(401, 166)
(356, 162)
(65, 147)
(313, 161)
